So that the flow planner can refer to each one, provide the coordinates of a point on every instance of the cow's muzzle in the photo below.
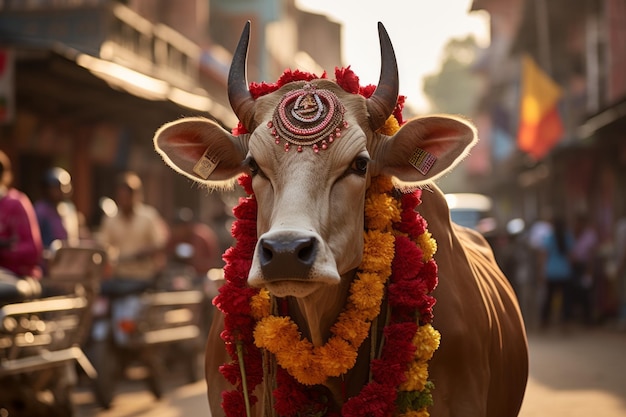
(287, 258)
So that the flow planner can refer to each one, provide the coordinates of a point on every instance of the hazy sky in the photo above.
(419, 29)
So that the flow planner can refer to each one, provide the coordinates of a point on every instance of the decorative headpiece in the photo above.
(308, 117)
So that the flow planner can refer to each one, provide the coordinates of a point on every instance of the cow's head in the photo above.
(311, 150)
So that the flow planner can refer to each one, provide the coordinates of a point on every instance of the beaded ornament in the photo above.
(308, 117)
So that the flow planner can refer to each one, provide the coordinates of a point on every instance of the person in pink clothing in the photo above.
(21, 249)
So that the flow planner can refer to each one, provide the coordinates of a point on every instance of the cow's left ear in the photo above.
(202, 150)
(425, 148)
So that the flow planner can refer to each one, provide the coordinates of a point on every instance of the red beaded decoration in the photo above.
(308, 117)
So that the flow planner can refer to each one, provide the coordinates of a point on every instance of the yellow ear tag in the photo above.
(206, 165)
(422, 160)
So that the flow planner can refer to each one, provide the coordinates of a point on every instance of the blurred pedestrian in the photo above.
(57, 216)
(517, 265)
(202, 239)
(20, 239)
(583, 257)
(135, 238)
(556, 271)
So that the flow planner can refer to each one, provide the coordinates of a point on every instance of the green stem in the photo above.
(244, 380)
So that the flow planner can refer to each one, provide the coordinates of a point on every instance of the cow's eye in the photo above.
(252, 166)
(359, 165)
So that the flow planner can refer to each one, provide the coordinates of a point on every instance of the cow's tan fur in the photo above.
(481, 366)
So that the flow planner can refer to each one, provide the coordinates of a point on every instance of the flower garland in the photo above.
(397, 263)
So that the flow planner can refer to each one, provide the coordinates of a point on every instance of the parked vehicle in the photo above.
(181, 275)
(147, 327)
(471, 210)
(43, 325)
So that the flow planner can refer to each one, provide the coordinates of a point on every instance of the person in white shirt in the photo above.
(135, 237)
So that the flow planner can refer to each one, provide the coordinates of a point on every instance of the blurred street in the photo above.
(133, 399)
(580, 374)
(576, 375)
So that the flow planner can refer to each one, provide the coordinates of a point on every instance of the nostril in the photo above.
(267, 252)
(306, 252)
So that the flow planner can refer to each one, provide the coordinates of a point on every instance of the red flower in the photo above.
(397, 112)
(246, 209)
(406, 294)
(399, 347)
(234, 300)
(246, 182)
(260, 89)
(375, 400)
(412, 223)
(411, 200)
(293, 399)
(233, 404)
(390, 374)
(428, 275)
(347, 79)
(244, 229)
(426, 308)
(239, 129)
(367, 91)
(296, 75)
(407, 261)
(231, 373)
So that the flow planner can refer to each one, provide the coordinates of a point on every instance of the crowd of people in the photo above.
(565, 275)
(138, 240)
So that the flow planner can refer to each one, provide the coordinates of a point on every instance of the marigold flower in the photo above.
(260, 304)
(390, 127)
(337, 356)
(414, 413)
(417, 376)
(428, 245)
(426, 341)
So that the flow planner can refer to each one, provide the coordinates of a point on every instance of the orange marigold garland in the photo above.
(397, 264)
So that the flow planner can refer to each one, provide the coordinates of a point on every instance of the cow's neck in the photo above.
(316, 313)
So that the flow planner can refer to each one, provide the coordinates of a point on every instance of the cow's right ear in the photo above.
(202, 150)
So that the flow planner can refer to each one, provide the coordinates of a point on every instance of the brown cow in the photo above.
(310, 227)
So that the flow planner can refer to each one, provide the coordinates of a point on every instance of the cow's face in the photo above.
(311, 196)
(311, 152)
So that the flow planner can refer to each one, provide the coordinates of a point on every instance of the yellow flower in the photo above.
(426, 341)
(417, 375)
(298, 354)
(378, 252)
(380, 185)
(337, 356)
(351, 327)
(428, 245)
(413, 413)
(366, 292)
(380, 211)
(260, 304)
(276, 333)
(390, 127)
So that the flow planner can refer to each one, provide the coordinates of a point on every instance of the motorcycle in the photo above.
(141, 325)
(43, 325)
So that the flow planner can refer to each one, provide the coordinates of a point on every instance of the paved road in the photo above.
(132, 399)
(581, 374)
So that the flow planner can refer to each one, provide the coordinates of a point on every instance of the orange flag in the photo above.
(540, 125)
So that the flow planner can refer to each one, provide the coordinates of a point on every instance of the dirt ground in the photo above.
(578, 374)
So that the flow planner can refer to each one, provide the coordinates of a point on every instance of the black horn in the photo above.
(381, 104)
(239, 96)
